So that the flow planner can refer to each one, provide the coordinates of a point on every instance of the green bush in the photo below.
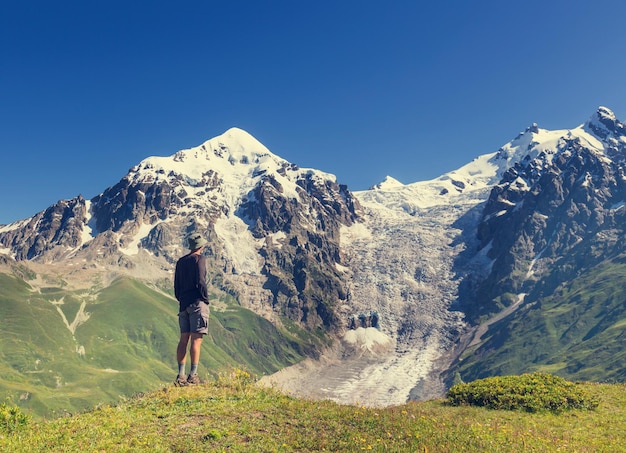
(529, 392)
(12, 418)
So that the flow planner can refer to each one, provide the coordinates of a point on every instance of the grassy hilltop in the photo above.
(65, 350)
(232, 413)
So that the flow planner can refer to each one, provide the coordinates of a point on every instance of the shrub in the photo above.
(12, 418)
(236, 378)
(529, 392)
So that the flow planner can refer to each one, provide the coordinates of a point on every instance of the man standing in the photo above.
(190, 289)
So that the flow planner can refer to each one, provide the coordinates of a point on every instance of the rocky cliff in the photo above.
(265, 218)
(457, 271)
(558, 200)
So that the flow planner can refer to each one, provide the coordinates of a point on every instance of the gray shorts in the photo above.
(194, 319)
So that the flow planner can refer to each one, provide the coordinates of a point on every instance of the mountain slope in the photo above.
(577, 331)
(443, 261)
(402, 265)
(233, 414)
(273, 230)
(271, 225)
(387, 292)
(554, 229)
(68, 350)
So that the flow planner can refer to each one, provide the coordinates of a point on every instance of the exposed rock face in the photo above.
(130, 202)
(548, 207)
(53, 232)
(604, 125)
(287, 220)
(300, 265)
(292, 243)
(554, 230)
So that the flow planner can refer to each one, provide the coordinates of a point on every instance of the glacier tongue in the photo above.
(406, 263)
(401, 262)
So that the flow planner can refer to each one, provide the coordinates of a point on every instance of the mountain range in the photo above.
(509, 264)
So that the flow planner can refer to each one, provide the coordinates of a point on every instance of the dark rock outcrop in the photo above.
(551, 207)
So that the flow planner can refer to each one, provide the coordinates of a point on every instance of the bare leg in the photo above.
(194, 349)
(181, 350)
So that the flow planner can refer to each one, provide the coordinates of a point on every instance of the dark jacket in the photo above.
(190, 280)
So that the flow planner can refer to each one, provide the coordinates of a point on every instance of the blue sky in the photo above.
(361, 89)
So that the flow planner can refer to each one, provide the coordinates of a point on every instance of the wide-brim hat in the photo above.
(195, 241)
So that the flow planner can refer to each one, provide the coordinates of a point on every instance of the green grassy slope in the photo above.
(65, 351)
(233, 414)
(575, 329)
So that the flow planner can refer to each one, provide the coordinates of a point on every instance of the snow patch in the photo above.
(615, 207)
(388, 183)
(133, 247)
(80, 318)
(356, 231)
(240, 245)
(14, 226)
(89, 227)
(236, 159)
(367, 338)
(278, 239)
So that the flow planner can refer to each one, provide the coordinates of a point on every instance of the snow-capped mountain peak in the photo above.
(389, 183)
(231, 163)
(235, 152)
(291, 242)
(609, 130)
(472, 182)
(603, 122)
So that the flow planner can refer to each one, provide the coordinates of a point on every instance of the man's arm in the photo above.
(202, 286)
(177, 282)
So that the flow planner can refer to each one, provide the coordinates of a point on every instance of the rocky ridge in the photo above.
(431, 259)
(273, 228)
(562, 195)
(440, 259)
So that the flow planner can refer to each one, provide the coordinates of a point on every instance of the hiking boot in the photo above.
(180, 381)
(194, 379)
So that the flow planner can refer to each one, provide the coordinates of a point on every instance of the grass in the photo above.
(574, 329)
(125, 345)
(232, 413)
(534, 392)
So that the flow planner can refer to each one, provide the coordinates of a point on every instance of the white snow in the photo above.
(357, 231)
(87, 234)
(239, 245)
(278, 239)
(401, 260)
(133, 246)
(388, 183)
(368, 338)
(586, 180)
(529, 273)
(475, 177)
(14, 226)
(618, 206)
(400, 256)
(238, 161)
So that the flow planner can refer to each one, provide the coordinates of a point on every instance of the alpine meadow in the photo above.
(363, 309)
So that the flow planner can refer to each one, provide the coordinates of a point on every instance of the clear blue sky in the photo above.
(361, 89)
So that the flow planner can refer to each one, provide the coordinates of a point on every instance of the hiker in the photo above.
(191, 291)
